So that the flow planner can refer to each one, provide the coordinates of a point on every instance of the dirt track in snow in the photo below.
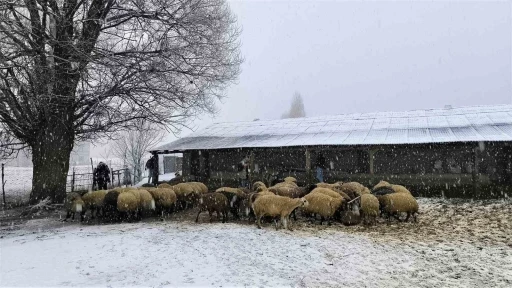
(456, 243)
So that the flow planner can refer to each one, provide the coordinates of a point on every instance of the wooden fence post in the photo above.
(309, 179)
(118, 178)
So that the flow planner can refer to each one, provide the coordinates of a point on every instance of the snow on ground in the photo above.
(179, 252)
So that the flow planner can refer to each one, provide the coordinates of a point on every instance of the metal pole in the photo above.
(3, 184)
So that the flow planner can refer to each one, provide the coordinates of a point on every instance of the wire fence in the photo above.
(85, 181)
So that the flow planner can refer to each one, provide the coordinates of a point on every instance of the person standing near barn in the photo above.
(320, 166)
(102, 175)
(150, 166)
(243, 173)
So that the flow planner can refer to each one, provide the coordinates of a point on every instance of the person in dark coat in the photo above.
(151, 165)
(102, 176)
(320, 166)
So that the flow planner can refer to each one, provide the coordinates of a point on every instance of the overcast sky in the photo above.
(353, 56)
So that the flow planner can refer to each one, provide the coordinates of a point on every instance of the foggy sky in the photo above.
(349, 56)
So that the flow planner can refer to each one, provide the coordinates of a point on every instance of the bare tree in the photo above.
(131, 146)
(297, 108)
(77, 70)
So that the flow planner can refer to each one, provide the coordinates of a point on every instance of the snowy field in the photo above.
(455, 244)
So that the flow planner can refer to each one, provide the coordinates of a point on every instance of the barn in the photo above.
(450, 152)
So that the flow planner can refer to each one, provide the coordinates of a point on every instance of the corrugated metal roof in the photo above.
(465, 124)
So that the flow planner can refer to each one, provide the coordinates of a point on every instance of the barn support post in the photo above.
(156, 170)
(251, 167)
(474, 173)
(371, 153)
(309, 177)
(3, 184)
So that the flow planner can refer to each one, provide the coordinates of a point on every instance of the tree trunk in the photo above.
(50, 158)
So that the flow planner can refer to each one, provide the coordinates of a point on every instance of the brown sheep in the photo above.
(214, 202)
(396, 203)
(396, 188)
(164, 185)
(290, 179)
(324, 205)
(292, 192)
(201, 188)
(128, 205)
(273, 205)
(336, 185)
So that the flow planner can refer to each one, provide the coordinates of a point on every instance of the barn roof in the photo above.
(464, 124)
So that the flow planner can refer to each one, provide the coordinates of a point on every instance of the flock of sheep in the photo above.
(350, 203)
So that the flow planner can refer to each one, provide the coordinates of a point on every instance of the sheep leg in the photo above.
(73, 216)
(218, 215)
(82, 215)
(322, 219)
(407, 218)
(197, 217)
(211, 215)
(284, 220)
(224, 216)
(414, 217)
(258, 221)
(294, 214)
(397, 216)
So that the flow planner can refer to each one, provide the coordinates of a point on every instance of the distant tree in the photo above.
(79, 70)
(131, 146)
(297, 108)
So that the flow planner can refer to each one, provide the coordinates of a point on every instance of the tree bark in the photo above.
(50, 158)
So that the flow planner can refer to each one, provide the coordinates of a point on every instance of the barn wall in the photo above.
(430, 170)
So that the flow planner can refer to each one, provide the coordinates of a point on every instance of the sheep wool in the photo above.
(273, 205)
(127, 203)
(369, 208)
(290, 179)
(74, 204)
(324, 205)
(258, 186)
(327, 191)
(164, 185)
(147, 202)
(94, 201)
(396, 203)
(201, 188)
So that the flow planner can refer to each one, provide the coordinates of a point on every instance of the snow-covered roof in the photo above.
(464, 124)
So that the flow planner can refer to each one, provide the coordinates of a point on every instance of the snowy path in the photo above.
(189, 254)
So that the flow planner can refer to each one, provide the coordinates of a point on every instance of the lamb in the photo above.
(94, 201)
(214, 202)
(324, 205)
(369, 208)
(235, 197)
(292, 192)
(258, 186)
(351, 214)
(273, 205)
(396, 203)
(74, 204)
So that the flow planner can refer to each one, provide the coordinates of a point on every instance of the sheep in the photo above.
(396, 188)
(128, 204)
(324, 205)
(290, 179)
(354, 188)
(330, 186)
(187, 195)
(94, 201)
(258, 186)
(396, 203)
(214, 202)
(147, 202)
(201, 188)
(284, 184)
(235, 197)
(292, 192)
(369, 208)
(164, 185)
(165, 200)
(74, 204)
(327, 191)
(110, 205)
(273, 205)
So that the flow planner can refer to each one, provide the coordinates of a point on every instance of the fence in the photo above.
(84, 181)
